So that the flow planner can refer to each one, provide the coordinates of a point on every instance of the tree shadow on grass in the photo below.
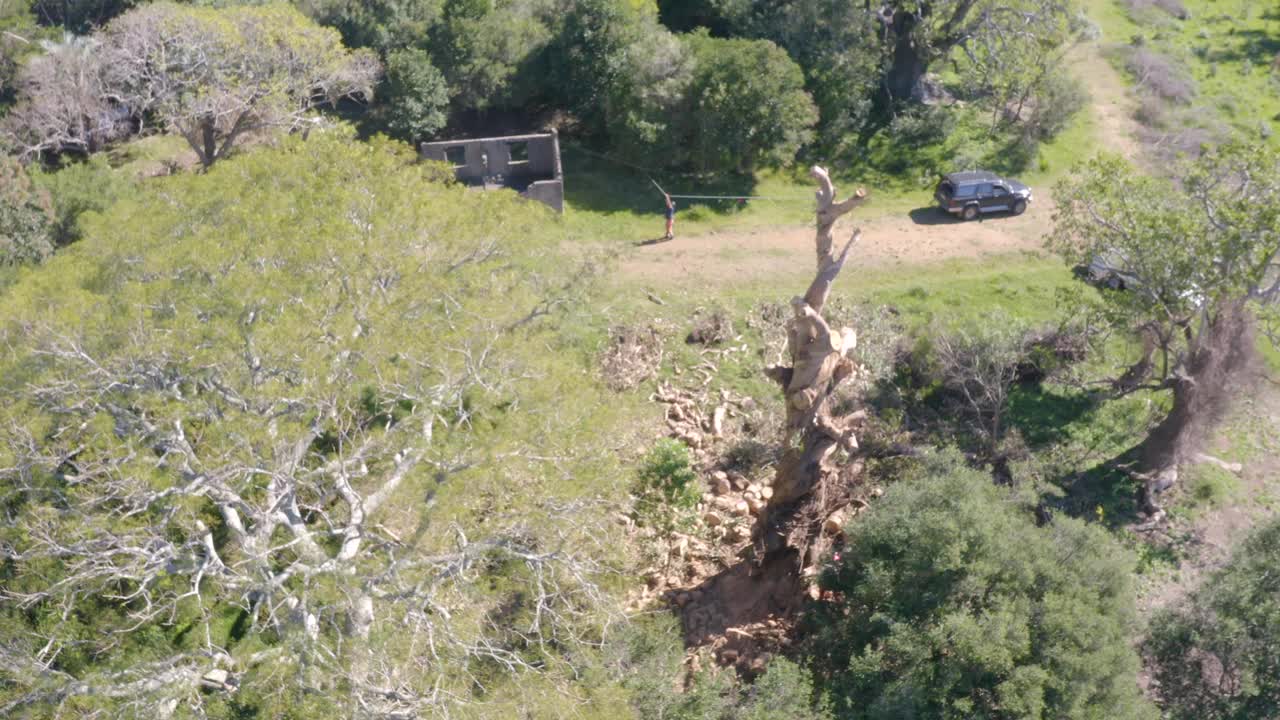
(596, 184)
(1043, 416)
(1257, 46)
(1104, 493)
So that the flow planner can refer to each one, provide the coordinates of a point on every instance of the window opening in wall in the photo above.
(519, 152)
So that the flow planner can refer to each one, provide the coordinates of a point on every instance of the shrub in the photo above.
(748, 105)
(26, 217)
(1058, 98)
(1216, 658)
(922, 126)
(952, 603)
(647, 656)
(1161, 75)
(90, 186)
(667, 485)
(416, 96)
(1152, 112)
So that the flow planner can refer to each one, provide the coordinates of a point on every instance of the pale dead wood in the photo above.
(809, 486)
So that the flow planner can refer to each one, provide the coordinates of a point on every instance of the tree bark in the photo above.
(808, 487)
(1223, 347)
(909, 61)
(209, 143)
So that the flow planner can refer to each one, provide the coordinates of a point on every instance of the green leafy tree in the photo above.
(26, 217)
(587, 63)
(305, 418)
(1197, 258)
(838, 44)
(1216, 657)
(383, 25)
(747, 105)
(80, 188)
(951, 603)
(486, 50)
(415, 99)
(645, 108)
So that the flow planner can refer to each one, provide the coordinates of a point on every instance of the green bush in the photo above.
(1058, 97)
(954, 604)
(667, 484)
(89, 186)
(416, 96)
(1216, 658)
(647, 660)
(748, 106)
(26, 217)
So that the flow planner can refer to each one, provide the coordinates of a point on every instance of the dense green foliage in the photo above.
(1198, 260)
(1216, 658)
(1209, 238)
(748, 107)
(246, 419)
(951, 603)
(26, 217)
(667, 487)
(640, 79)
(416, 99)
(91, 186)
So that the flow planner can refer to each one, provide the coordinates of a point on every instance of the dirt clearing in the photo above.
(925, 235)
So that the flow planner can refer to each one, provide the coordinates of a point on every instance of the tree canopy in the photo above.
(208, 74)
(951, 603)
(26, 217)
(1201, 255)
(243, 419)
(1215, 658)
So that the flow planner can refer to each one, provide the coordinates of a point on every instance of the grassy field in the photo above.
(1211, 67)
(607, 197)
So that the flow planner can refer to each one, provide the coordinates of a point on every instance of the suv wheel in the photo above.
(1019, 207)
(970, 212)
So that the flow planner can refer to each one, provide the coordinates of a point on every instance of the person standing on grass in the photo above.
(671, 217)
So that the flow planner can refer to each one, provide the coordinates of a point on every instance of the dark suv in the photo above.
(971, 193)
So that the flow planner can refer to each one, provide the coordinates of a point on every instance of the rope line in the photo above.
(740, 197)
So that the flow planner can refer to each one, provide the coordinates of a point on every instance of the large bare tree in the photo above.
(809, 484)
(209, 75)
(67, 103)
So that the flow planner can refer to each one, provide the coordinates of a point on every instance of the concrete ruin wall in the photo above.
(488, 163)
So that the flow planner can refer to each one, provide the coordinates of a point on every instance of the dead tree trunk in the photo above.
(808, 486)
(1222, 348)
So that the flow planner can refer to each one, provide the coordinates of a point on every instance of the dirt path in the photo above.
(716, 260)
(926, 235)
(1115, 129)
